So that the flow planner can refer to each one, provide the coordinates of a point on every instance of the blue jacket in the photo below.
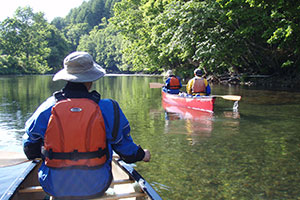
(167, 89)
(79, 182)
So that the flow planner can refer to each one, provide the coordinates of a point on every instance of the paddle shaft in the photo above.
(226, 97)
(12, 158)
(158, 85)
(229, 97)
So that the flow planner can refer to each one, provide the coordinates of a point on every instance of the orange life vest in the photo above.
(174, 83)
(75, 135)
(198, 86)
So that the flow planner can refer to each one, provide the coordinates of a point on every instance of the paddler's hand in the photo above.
(147, 155)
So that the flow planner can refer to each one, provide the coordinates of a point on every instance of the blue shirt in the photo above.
(171, 91)
(66, 182)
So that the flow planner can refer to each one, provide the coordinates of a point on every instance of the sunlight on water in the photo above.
(10, 135)
(159, 186)
(9, 140)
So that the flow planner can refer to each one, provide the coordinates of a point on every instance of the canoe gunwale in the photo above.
(145, 186)
(17, 183)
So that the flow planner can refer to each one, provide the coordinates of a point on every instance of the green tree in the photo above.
(104, 44)
(59, 46)
(81, 20)
(283, 33)
(29, 44)
(23, 39)
(129, 21)
(59, 23)
(74, 32)
(221, 36)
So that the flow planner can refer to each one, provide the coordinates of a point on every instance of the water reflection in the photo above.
(250, 154)
(232, 114)
(197, 125)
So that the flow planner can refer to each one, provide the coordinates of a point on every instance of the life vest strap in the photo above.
(94, 96)
(116, 119)
(59, 96)
(175, 87)
(75, 155)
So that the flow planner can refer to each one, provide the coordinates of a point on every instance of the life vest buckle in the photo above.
(74, 155)
(50, 154)
(100, 152)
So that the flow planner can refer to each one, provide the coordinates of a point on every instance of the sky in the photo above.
(51, 8)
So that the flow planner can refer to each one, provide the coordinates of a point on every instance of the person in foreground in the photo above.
(198, 85)
(76, 132)
(172, 84)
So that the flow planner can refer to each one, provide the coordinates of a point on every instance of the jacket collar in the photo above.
(79, 90)
(75, 90)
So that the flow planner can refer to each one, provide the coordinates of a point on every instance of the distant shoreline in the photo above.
(269, 81)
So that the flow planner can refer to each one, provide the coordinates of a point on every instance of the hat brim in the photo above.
(90, 75)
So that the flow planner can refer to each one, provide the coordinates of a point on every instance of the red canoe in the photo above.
(186, 113)
(203, 103)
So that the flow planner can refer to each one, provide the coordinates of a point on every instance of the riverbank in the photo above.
(273, 81)
(270, 81)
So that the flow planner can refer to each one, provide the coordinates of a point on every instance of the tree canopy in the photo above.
(150, 36)
(29, 45)
(235, 36)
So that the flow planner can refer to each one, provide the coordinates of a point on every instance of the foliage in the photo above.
(151, 36)
(268, 29)
(81, 20)
(59, 46)
(28, 43)
(74, 32)
(235, 36)
(104, 44)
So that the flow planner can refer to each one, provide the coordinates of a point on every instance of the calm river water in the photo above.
(252, 153)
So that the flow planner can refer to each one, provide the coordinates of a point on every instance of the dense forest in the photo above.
(234, 37)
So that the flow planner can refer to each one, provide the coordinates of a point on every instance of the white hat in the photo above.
(169, 72)
(79, 67)
(198, 72)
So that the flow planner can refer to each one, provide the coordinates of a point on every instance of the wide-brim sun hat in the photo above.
(79, 67)
(169, 73)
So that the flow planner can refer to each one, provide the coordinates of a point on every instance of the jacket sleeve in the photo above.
(189, 86)
(180, 84)
(35, 129)
(167, 83)
(208, 91)
(32, 149)
(123, 144)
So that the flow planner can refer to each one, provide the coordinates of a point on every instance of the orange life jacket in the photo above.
(75, 135)
(198, 86)
(174, 83)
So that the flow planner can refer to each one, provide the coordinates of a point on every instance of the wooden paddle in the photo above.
(156, 85)
(229, 97)
(12, 158)
(226, 97)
